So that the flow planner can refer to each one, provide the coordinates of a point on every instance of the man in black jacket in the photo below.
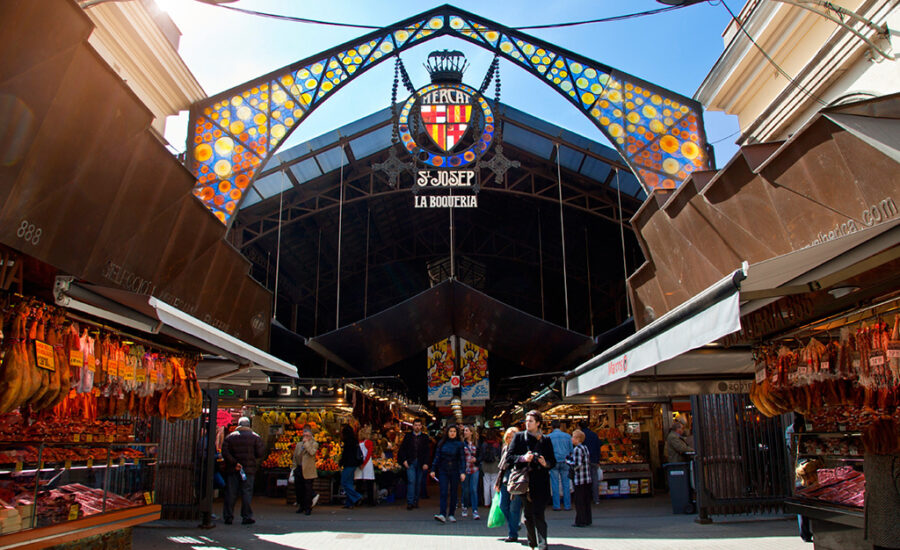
(532, 450)
(242, 451)
(415, 451)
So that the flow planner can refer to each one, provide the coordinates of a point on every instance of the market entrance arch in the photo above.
(232, 135)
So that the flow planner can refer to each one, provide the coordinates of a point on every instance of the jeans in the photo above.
(347, 484)
(415, 476)
(560, 473)
(535, 524)
(488, 481)
(511, 505)
(470, 491)
(448, 481)
(595, 483)
(234, 485)
(583, 504)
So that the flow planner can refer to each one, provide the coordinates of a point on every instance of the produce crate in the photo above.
(322, 486)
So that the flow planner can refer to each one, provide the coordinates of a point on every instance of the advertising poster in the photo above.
(440, 370)
(475, 382)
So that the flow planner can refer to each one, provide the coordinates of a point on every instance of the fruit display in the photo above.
(618, 449)
(386, 464)
(279, 459)
(293, 423)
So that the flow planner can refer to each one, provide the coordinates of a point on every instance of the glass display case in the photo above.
(46, 484)
(829, 469)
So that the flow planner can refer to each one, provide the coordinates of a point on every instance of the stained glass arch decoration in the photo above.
(231, 135)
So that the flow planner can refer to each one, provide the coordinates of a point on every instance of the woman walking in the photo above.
(510, 505)
(350, 460)
(489, 457)
(449, 465)
(366, 471)
(305, 471)
(534, 452)
(580, 463)
(470, 485)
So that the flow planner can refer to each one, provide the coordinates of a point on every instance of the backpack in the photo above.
(489, 453)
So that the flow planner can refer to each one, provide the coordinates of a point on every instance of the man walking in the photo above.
(414, 454)
(242, 451)
(559, 474)
(592, 442)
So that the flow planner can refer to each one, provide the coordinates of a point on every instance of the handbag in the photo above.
(518, 481)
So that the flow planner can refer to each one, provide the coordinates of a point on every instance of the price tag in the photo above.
(90, 462)
(89, 438)
(876, 360)
(44, 355)
(76, 359)
(18, 465)
(68, 465)
(92, 364)
(73, 512)
(122, 461)
(111, 369)
(110, 438)
(141, 375)
(76, 438)
(181, 371)
(148, 497)
(760, 375)
(893, 353)
(824, 365)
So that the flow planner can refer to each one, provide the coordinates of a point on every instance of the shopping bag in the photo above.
(496, 518)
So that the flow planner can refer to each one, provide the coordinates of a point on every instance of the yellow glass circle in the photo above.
(670, 166)
(244, 113)
(222, 168)
(224, 146)
(203, 152)
(649, 111)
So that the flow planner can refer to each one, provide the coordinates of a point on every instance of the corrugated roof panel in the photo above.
(272, 184)
(371, 143)
(306, 170)
(332, 159)
(570, 158)
(527, 141)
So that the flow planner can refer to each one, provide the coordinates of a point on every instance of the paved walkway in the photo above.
(645, 524)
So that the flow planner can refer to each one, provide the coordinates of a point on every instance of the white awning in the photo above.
(153, 316)
(710, 315)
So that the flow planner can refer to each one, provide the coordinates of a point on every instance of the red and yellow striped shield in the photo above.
(446, 123)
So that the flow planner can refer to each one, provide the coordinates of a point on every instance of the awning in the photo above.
(705, 318)
(661, 351)
(452, 308)
(236, 359)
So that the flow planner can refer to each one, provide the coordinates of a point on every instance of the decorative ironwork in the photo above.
(658, 132)
(499, 164)
(393, 167)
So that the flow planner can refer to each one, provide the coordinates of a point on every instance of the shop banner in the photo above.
(475, 381)
(440, 371)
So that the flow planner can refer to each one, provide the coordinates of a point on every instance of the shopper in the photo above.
(511, 505)
(559, 475)
(242, 451)
(365, 473)
(414, 453)
(470, 485)
(449, 465)
(305, 471)
(882, 500)
(592, 442)
(676, 445)
(489, 453)
(534, 451)
(580, 462)
(351, 458)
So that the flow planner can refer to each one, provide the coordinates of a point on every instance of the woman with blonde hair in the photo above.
(366, 471)
(511, 505)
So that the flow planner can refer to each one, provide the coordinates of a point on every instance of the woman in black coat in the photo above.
(530, 449)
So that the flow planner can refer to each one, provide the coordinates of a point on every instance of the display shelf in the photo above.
(835, 513)
(849, 458)
(88, 526)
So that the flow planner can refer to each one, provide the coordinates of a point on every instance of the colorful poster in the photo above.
(475, 382)
(440, 370)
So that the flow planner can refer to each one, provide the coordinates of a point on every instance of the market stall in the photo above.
(841, 377)
(631, 435)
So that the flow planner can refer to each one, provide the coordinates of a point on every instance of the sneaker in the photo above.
(228, 522)
(465, 512)
(476, 516)
(409, 506)
(248, 521)
(451, 519)
(441, 518)
(315, 500)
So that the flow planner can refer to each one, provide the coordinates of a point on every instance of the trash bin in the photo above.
(678, 474)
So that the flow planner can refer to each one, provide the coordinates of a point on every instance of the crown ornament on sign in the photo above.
(446, 66)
